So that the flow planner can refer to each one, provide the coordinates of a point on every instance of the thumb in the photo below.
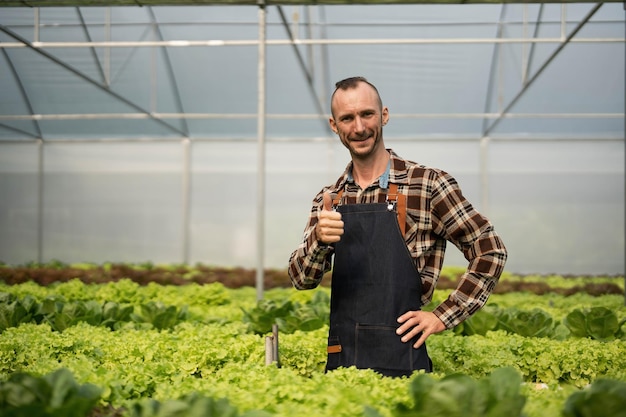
(328, 202)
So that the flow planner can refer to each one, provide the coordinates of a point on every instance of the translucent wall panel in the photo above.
(113, 202)
(223, 214)
(560, 205)
(19, 202)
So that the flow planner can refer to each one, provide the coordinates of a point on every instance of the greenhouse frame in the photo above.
(197, 131)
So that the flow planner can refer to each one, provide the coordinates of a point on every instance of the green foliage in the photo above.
(598, 323)
(114, 315)
(211, 349)
(480, 323)
(604, 397)
(56, 394)
(535, 323)
(497, 395)
(193, 405)
(540, 360)
(159, 315)
(289, 315)
(14, 312)
(60, 314)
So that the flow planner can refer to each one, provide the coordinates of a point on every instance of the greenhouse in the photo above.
(158, 163)
(197, 131)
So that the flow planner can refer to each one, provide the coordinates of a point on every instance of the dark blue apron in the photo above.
(374, 282)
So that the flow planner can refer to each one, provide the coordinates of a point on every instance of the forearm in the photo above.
(309, 262)
(487, 257)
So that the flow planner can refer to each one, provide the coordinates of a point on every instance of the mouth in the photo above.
(360, 139)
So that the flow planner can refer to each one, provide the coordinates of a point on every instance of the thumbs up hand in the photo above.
(329, 227)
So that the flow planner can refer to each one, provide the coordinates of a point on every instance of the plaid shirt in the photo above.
(437, 212)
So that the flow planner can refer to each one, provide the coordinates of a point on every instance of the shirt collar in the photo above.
(396, 166)
(383, 180)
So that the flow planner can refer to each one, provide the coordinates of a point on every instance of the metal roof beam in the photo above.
(170, 70)
(88, 79)
(542, 68)
(20, 86)
(83, 25)
(100, 3)
(307, 73)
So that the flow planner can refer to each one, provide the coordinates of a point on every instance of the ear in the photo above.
(333, 125)
(385, 115)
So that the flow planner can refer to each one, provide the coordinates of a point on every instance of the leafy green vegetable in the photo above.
(497, 395)
(55, 394)
(534, 323)
(193, 405)
(604, 397)
(481, 322)
(159, 315)
(14, 312)
(598, 323)
(289, 316)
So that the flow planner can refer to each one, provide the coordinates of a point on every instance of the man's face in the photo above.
(358, 119)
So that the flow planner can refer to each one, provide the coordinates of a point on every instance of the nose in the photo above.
(358, 125)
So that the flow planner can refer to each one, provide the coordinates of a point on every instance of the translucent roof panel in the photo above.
(180, 71)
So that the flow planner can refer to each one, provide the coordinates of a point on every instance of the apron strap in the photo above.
(393, 196)
(337, 198)
(400, 200)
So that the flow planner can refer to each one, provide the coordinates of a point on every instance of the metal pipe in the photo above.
(261, 153)
(107, 50)
(94, 55)
(87, 78)
(283, 42)
(494, 74)
(186, 197)
(323, 139)
(295, 116)
(544, 66)
(40, 196)
(307, 73)
(170, 73)
(535, 35)
(484, 173)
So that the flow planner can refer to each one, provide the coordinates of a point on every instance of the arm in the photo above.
(312, 258)
(457, 221)
(454, 218)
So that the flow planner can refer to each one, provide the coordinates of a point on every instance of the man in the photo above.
(386, 220)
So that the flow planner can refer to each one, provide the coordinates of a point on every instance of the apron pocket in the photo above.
(379, 347)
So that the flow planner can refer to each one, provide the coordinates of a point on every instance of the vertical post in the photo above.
(524, 44)
(40, 194)
(261, 154)
(484, 173)
(107, 49)
(36, 25)
(186, 143)
(271, 347)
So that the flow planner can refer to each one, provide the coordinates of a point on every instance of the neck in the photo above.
(367, 171)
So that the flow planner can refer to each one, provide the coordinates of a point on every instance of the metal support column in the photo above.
(40, 196)
(186, 144)
(261, 153)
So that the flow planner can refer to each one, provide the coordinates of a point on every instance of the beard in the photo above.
(364, 146)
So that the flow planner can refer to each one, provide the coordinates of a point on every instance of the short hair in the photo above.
(353, 82)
